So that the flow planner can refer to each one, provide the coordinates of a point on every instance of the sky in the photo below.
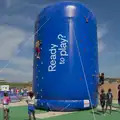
(17, 18)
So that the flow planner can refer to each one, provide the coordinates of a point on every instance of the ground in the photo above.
(20, 113)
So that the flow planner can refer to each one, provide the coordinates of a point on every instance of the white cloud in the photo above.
(21, 61)
(17, 75)
(22, 72)
(23, 64)
(10, 38)
(101, 46)
(102, 31)
(30, 43)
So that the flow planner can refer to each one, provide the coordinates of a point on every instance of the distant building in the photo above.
(4, 87)
(1, 81)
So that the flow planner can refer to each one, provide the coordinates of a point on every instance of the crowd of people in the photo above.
(106, 99)
(19, 91)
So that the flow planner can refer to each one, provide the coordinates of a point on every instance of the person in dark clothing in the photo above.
(109, 98)
(119, 95)
(102, 100)
(101, 78)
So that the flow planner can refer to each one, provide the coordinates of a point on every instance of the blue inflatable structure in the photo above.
(65, 71)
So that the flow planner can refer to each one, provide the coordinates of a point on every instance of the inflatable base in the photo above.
(63, 105)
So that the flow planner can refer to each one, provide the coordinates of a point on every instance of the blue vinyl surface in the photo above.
(68, 66)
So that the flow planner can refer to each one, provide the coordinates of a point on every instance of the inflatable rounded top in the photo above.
(65, 9)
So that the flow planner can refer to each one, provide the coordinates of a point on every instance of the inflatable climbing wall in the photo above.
(65, 71)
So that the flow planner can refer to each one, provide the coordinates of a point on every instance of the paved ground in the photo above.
(51, 114)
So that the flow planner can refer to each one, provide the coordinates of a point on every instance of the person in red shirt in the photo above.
(37, 48)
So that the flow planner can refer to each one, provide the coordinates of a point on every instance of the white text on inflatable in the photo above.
(60, 49)
(53, 50)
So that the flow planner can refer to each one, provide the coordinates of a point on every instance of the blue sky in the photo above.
(17, 19)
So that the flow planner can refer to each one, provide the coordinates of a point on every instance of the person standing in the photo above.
(31, 108)
(22, 92)
(5, 101)
(109, 98)
(102, 100)
(119, 95)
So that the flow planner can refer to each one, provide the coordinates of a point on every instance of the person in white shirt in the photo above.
(31, 107)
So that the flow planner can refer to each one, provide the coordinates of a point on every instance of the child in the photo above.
(37, 48)
(102, 100)
(119, 95)
(5, 102)
(31, 107)
(109, 98)
(101, 79)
